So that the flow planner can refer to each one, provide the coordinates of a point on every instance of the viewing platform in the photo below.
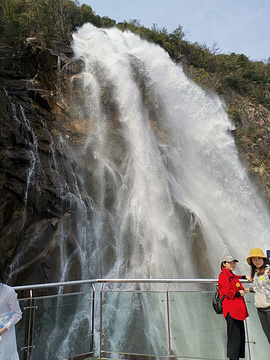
(132, 319)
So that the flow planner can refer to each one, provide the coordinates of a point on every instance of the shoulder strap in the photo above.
(223, 297)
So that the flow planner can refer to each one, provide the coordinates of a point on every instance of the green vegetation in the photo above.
(53, 20)
(234, 114)
(47, 19)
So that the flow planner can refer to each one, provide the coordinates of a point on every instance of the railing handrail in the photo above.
(102, 281)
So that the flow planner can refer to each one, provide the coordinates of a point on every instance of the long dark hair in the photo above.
(260, 271)
(1, 275)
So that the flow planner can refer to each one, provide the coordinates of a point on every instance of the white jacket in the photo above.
(261, 284)
(9, 303)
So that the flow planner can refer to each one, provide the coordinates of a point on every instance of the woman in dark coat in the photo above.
(234, 307)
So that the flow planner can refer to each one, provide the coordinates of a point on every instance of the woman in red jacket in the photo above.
(234, 307)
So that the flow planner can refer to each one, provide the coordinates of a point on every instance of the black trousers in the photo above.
(265, 321)
(235, 338)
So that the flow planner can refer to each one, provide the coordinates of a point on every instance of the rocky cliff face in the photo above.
(252, 137)
(36, 178)
(39, 134)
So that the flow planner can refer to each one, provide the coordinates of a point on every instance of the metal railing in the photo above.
(133, 318)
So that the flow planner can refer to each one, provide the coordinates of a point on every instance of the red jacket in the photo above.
(229, 284)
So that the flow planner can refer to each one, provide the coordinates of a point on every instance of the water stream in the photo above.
(168, 183)
(163, 193)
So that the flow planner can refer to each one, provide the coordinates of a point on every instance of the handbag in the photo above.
(217, 301)
(260, 301)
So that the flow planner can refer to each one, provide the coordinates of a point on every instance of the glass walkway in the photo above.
(128, 319)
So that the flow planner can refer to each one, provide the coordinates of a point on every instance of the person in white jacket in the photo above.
(10, 314)
(260, 276)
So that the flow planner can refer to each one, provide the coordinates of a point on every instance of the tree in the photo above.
(178, 34)
(11, 22)
(87, 15)
(106, 22)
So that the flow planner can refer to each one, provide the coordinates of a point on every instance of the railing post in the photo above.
(167, 301)
(31, 318)
(249, 341)
(93, 320)
(100, 321)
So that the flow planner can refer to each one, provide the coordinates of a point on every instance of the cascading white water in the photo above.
(168, 195)
(21, 120)
(169, 162)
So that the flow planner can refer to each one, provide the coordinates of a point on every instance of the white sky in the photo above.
(240, 26)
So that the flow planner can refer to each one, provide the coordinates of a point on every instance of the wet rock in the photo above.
(36, 182)
(62, 48)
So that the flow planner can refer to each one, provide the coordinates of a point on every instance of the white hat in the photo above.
(228, 258)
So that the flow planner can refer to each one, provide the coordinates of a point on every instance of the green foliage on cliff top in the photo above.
(54, 20)
(48, 19)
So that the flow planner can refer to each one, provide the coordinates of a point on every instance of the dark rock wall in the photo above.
(35, 176)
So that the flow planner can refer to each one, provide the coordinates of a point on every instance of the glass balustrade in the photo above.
(259, 345)
(160, 324)
(55, 327)
(147, 318)
(197, 331)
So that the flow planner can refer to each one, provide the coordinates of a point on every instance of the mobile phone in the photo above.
(268, 255)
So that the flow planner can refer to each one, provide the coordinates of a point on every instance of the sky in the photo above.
(239, 26)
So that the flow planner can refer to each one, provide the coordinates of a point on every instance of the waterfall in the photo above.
(164, 192)
(170, 195)
(158, 190)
